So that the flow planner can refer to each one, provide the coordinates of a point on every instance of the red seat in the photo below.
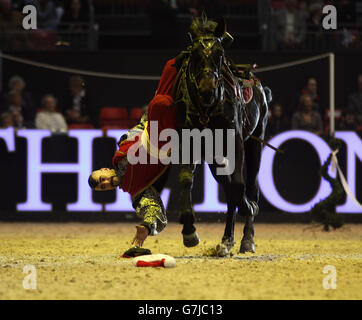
(135, 116)
(113, 116)
(81, 126)
(122, 125)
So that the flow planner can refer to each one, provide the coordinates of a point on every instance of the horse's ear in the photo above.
(189, 35)
(204, 17)
(220, 28)
(194, 28)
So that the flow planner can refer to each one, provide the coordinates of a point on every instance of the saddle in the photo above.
(247, 88)
(245, 79)
(238, 77)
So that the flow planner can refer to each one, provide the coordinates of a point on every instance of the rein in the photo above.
(188, 90)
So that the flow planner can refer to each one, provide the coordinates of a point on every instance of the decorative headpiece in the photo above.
(202, 27)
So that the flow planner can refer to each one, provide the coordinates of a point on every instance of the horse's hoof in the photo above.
(247, 246)
(191, 240)
(222, 250)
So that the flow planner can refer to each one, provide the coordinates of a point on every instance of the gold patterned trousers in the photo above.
(150, 209)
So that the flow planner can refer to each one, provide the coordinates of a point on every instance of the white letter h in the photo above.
(36, 167)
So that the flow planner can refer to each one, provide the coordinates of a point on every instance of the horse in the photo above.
(208, 94)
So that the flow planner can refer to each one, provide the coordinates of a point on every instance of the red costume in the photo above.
(139, 177)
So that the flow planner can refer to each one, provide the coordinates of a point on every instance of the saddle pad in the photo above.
(247, 94)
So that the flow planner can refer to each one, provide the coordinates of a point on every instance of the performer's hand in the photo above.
(141, 235)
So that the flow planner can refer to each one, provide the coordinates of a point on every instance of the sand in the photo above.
(82, 261)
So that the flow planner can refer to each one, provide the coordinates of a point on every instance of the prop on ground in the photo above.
(324, 212)
(144, 258)
(136, 252)
(155, 260)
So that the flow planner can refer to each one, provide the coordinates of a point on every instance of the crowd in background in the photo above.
(311, 114)
(52, 17)
(50, 14)
(19, 110)
(291, 25)
(298, 24)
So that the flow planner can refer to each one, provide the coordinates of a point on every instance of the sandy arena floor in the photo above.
(82, 261)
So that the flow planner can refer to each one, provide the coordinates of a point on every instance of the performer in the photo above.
(144, 182)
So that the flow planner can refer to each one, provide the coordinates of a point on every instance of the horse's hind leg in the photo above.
(187, 216)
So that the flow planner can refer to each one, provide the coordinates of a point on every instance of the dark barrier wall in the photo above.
(294, 175)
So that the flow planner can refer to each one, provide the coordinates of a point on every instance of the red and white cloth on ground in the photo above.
(155, 260)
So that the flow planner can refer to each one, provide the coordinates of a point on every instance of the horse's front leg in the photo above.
(227, 242)
(187, 216)
(247, 242)
(252, 160)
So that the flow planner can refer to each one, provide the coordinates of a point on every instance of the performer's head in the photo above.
(103, 179)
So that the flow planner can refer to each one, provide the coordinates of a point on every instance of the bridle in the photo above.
(207, 43)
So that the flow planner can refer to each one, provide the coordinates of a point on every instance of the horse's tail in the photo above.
(268, 94)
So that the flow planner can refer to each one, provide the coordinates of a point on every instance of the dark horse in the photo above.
(208, 94)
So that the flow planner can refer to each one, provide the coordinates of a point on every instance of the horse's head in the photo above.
(206, 59)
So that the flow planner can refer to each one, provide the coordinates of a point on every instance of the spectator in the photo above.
(316, 37)
(17, 83)
(306, 118)
(311, 89)
(77, 104)
(290, 26)
(18, 120)
(347, 36)
(278, 121)
(15, 103)
(6, 120)
(76, 13)
(315, 16)
(346, 11)
(355, 101)
(349, 122)
(11, 35)
(49, 118)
